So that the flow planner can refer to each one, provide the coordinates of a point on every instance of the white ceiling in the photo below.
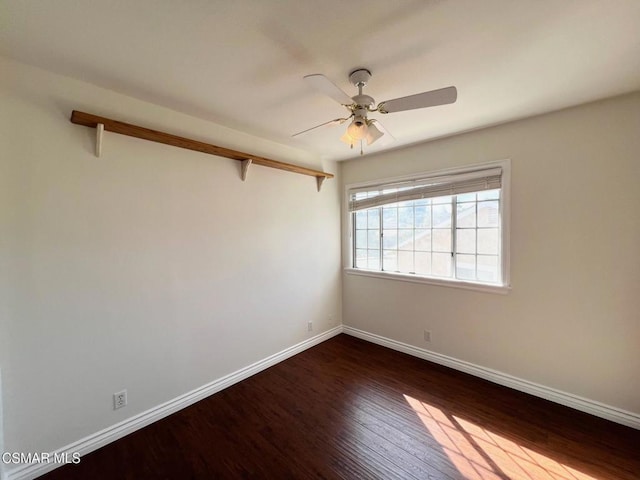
(240, 63)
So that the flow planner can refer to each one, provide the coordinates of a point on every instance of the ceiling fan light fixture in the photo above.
(346, 138)
(373, 133)
(358, 129)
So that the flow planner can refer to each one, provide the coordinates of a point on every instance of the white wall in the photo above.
(571, 321)
(152, 268)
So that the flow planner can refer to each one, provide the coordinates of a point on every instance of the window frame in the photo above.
(505, 204)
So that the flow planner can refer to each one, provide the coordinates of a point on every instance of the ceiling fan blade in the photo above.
(337, 121)
(323, 85)
(432, 98)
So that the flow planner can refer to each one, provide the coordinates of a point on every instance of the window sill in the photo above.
(403, 277)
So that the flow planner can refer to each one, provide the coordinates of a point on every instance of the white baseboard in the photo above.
(592, 407)
(119, 430)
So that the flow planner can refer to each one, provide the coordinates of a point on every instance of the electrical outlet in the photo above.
(427, 335)
(309, 326)
(119, 399)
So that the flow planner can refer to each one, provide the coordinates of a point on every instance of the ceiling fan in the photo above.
(362, 128)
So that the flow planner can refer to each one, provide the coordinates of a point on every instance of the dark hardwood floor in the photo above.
(350, 409)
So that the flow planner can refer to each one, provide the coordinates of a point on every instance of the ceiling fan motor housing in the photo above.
(363, 101)
(359, 115)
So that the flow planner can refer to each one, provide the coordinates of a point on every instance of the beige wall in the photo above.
(152, 268)
(572, 319)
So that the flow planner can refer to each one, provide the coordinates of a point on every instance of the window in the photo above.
(448, 227)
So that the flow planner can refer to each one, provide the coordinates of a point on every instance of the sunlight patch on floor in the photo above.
(480, 454)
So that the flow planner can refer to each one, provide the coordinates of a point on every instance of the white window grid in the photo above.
(374, 258)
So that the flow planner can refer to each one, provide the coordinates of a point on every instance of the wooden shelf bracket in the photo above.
(99, 136)
(102, 124)
(245, 168)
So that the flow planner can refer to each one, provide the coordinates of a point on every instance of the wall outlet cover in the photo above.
(119, 399)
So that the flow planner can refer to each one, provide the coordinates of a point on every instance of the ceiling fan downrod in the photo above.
(359, 78)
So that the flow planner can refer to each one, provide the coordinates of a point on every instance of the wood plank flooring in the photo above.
(348, 409)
